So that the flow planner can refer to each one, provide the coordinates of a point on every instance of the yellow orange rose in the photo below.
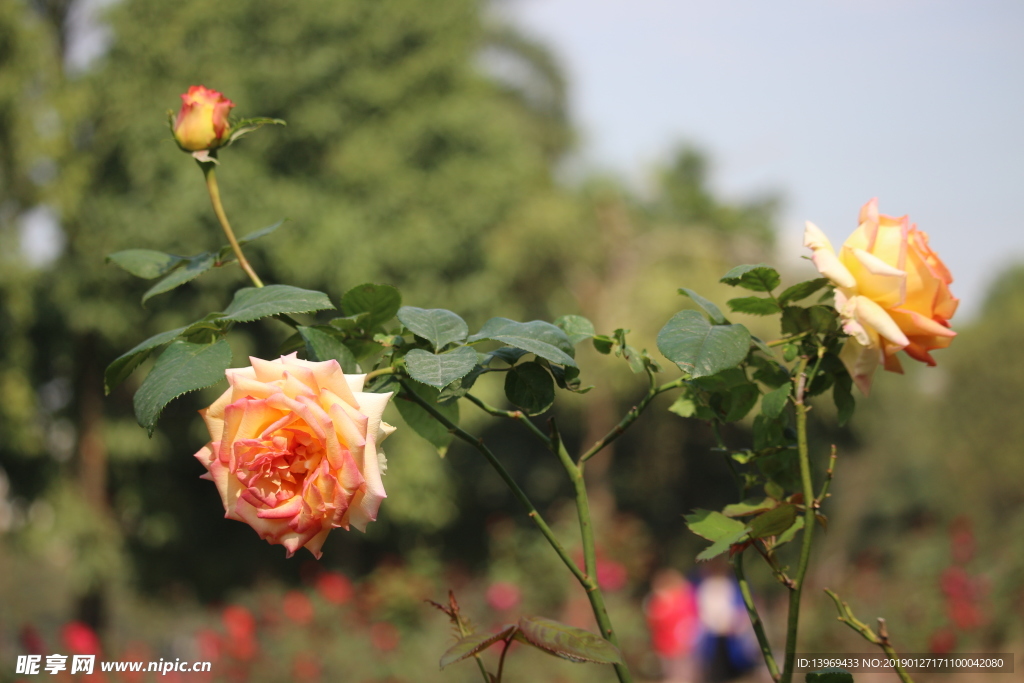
(892, 292)
(203, 119)
(294, 450)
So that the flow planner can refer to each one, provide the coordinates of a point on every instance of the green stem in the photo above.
(501, 661)
(881, 639)
(755, 618)
(786, 340)
(512, 415)
(793, 620)
(380, 371)
(629, 418)
(520, 495)
(589, 582)
(209, 170)
(463, 631)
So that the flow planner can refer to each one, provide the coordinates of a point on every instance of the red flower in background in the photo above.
(334, 587)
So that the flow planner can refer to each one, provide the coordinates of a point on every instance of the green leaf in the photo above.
(576, 327)
(713, 525)
(322, 345)
(567, 642)
(538, 337)
(437, 325)
(720, 546)
(530, 387)
(182, 368)
(824, 319)
(758, 277)
(750, 506)
(123, 366)
(422, 422)
(475, 643)
(790, 533)
(801, 290)
(603, 344)
(262, 232)
(782, 468)
(568, 379)
(461, 387)
(246, 126)
(795, 320)
(683, 406)
(769, 371)
(700, 348)
(379, 302)
(711, 309)
(253, 303)
(774, 402)
(754, 305)
(440, 369)
(773, 522)
(145, 263)
(741, 399)
(842, 395)
(193, 268)
(830, 675)
(506, 354)
(768, 433)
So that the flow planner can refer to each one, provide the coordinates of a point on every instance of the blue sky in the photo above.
(917, 102)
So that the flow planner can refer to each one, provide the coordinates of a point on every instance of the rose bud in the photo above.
(202, 122)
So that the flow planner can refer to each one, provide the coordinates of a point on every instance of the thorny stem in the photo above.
(588, 578)
(630, 417)
(524, 500)
(513, 415)
(589, 584)
(209, 170)
(881, 639)
(501, 661)
(828, 479)
(793, 620)
(787, 340)
(380, 371)
(755, 618)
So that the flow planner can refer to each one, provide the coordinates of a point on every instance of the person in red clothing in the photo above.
(673, 621)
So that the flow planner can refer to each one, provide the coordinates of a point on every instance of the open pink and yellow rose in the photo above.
(892, 292)
(294, 450)
(202, 121)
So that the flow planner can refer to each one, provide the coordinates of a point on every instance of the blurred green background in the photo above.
(410, 158)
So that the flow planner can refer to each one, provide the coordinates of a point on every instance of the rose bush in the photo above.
(892, 292)
(202, 120)
(294, 450)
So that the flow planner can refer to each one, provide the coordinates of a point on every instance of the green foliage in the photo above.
(530, 387)
(438, 326)
(253, 303)
(576, 327)
(757, 277)
(322, 343)
(713, 311)
(830, 675)
(373, 305)
(182, 368)
(537, 337)
(567, 642)
(754, 305)
(441, 369)
(700, 348)
(422, 422)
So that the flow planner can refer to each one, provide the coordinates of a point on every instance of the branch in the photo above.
(881, 639)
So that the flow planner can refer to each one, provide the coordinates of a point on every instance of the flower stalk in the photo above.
(209, 170)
